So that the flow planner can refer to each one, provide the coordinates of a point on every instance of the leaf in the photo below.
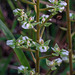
(35, 23)
(6, 31)
(3, 70)
(47, 62)
(55, 54)
(47, 24)
(53, 68)
(47, 42)
(62, 28)
(22, 58)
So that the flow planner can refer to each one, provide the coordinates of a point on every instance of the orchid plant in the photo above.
(39, 46)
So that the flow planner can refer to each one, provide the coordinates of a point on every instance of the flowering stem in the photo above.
(69, 38)
(47, 20)
(28, 2)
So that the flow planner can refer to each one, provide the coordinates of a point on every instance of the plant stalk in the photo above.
(69, 38)
(38, 36)
(42, 32)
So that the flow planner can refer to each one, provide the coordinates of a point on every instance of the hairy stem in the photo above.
(69, 38)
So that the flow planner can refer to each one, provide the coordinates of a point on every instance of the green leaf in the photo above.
(22, 58)
(62, 28)
(53, 68)
(47, 24)
(47, 42)
(55, 54)
(35, 23)
(3, 70)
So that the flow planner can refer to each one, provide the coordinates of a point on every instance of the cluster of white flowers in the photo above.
(26, 20)
(64, 54)
(27, 25)
(57, 6)
(54, 63)
(25, 71)
(25, 42)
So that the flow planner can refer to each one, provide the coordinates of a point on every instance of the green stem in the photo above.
(38, 27)
(33, 57)
(42, 32)
(37, 62)
(28, 49)
(47, 56)
(28, 2)
(44, 9)
(38, 36)
(69, 38)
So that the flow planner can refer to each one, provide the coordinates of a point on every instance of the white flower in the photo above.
(28, 43)
(43, 48)
(25, 38)
(45, 16)
(22, 67)
(15, 11)
(66, 59)
(9, 42)
(63, 3)
(65, 52)
(61, 9)
(20, 41)
(58, 61)
(40, 39)
(70, 14)
(32, 18)
(51, 63)
(25, 25)
(51, 0)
